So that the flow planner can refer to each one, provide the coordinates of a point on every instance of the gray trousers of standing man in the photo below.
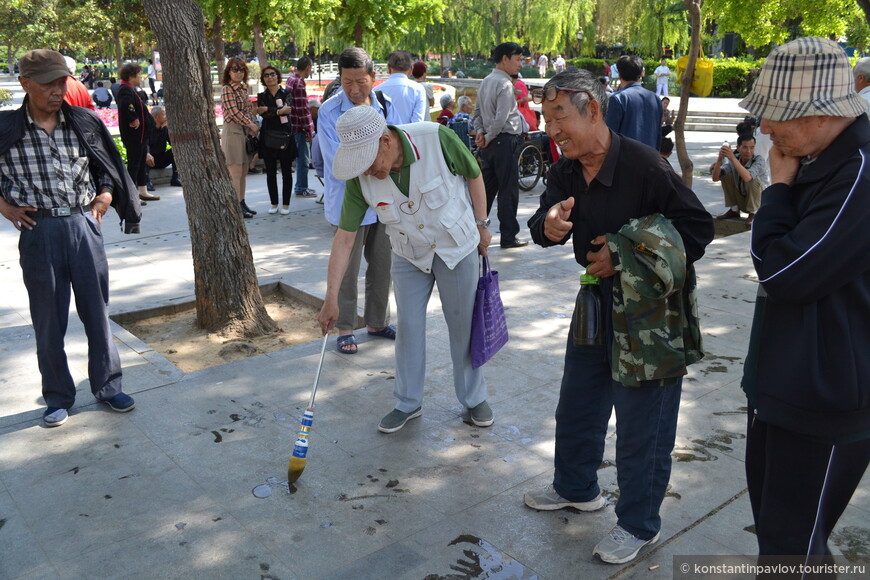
(57, 255)
(372, 242)
(457, 288)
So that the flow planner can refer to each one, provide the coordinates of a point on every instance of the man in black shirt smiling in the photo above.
(602, 182)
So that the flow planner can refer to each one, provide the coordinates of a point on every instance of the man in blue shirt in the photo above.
(357, 75)
(634, 111)
(408, 97)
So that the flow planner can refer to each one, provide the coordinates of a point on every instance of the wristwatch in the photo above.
(485, 223)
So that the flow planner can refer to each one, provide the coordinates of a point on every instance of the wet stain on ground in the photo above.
(392, 483)
(739, 411)
(370, 531)
(211, 411)
(720, 440)
(74, 470)
(854, 542)
(382, 470)
(380, 522)
(217, 437)
(216, 519)
(117, 446)
(480, 560)
(2, 523)
(235, 417)
(344, 496)
(264, 567)
(107, 496)
(750, 529)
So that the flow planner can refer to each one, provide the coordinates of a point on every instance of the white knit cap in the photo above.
(359, 131)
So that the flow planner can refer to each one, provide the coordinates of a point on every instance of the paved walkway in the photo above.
(166, 491)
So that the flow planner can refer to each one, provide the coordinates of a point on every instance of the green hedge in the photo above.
(5, 96)
(731, 77)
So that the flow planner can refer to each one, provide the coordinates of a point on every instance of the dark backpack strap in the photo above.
(383, 101)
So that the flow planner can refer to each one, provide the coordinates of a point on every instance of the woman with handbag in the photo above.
(239, 124)
(276, 140)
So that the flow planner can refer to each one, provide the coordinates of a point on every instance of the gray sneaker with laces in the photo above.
(547, 499)
(396, 419)
(620, 546)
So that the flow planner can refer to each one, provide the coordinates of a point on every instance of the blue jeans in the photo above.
(301, 162)
(646, 425)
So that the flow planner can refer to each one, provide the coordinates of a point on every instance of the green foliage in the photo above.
(5, 96)
(121, 149)
(734, 77)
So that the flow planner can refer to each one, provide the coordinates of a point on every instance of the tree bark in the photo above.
(865, 6)
(217, 37)
(228, 298)
(358, 35)
(119, 50)
(259, 48)
(686, 165)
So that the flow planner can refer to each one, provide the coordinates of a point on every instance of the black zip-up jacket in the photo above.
(808, 366)
(101, 151)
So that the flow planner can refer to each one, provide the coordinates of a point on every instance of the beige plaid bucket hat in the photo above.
(806, 77)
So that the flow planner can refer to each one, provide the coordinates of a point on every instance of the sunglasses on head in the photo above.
(238, 69)
(549, 93)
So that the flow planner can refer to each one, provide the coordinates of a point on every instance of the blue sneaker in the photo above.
(54, 417)
(121, 403)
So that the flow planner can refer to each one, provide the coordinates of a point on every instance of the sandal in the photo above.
(347, 344)
(386, 332)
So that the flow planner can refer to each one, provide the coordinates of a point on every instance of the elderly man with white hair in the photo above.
(807, 373)
(861, 74)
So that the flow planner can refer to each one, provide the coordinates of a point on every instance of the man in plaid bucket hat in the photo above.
(807, 373)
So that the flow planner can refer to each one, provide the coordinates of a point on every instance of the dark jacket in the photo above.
(130, 108)
(637, 113)
(102, 153)
(808, 366)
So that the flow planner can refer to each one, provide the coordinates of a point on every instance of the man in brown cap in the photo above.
(59, 173)
(807, 373)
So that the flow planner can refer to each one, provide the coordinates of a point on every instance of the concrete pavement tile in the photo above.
(98, 475)
(663, 553)
(736, 521)
(438, 552)
(185, 544)
(22, 554)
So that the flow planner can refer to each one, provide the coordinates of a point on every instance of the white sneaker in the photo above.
(547, 499)
(273, 210)
(620, 546)
(284, 211)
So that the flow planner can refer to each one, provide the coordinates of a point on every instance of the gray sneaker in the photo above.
(547, 500)
(54, 417)
(620, 546)
(306, 193)
(481, 415)
(396, 419)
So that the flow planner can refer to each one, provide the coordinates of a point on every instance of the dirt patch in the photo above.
(177, 337)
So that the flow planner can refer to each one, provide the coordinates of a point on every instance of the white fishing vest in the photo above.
(436, 217)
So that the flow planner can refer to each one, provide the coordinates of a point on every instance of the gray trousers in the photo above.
(59, 254)
(746, 198)
(374, 241)
(457, 288)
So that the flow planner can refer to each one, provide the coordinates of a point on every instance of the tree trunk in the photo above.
(686, 165)
(217, 37)
(865, 6)
(358, 35)
(258, 44)
(228, 297)
(119, 50)
(10, 59)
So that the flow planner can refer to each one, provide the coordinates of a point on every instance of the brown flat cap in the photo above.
(43, 65)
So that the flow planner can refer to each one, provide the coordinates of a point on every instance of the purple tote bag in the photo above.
(489, 330)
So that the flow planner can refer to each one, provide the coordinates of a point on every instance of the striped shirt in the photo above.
(236, 105)
(300, 118)
(47, 171)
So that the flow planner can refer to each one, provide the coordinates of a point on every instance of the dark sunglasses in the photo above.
(538, 95)
(270, 74)
(238, 69)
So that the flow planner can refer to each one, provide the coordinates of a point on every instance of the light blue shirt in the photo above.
(330, 111)
(409, 98)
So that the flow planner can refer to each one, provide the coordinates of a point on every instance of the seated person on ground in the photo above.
(160, 149)
(102, 97)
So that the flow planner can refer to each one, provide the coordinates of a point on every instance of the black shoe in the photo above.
(514, 243)
(148, 185)
(247, 209)
(246, 213)
(175, 180)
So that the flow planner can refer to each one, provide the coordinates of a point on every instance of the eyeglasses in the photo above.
(538, 95)
(270, 74)
(238, 69)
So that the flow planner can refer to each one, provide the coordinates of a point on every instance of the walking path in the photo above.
(166, 490)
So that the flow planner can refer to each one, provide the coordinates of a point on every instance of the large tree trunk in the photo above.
(686, 165)
(865, 6)
(228, 297)
(258, 44)
(119, 50)
(217, 38)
